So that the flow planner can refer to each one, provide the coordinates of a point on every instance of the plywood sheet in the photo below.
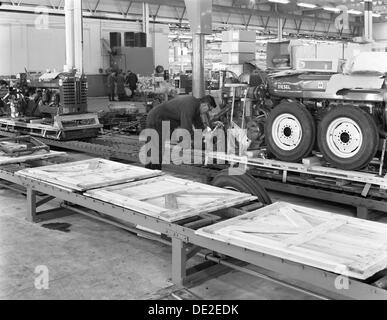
(345, 245)
(88, 174)
(169, 198)
(39, 155)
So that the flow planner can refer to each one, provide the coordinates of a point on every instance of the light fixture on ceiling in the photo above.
(352, 11)
(331, 9)
(280, 1)
(306, 5)
(376, 15)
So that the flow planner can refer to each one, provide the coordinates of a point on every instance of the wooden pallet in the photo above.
(88, 174)
(39, 155)
(168, 198)
(63, 128)
(344, 245)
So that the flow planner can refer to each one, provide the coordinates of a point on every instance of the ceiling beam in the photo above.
(243, 11)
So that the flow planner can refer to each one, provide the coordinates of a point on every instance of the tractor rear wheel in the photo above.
(242, 182)
(290, 132)
(348, 137)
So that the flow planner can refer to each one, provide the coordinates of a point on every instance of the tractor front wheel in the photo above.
(290, 132)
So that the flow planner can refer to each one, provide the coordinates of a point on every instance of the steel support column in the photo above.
(368, 27)
(280, 25)
(200, 16)
(198, 87)
(69, 24)
(145, 22)
(280, 29)
(78, 36)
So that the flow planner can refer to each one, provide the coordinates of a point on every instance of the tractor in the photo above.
(340, 114)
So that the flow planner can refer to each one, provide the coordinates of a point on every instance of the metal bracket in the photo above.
(284, 176)
(174, 234)
(366, 189)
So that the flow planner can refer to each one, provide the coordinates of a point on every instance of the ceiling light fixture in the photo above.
(307, 5)
(331, 9)
(280, 1)
(354, 12)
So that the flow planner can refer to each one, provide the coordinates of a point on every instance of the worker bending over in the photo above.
(182, 112)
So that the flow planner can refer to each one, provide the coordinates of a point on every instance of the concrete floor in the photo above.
(98, 261)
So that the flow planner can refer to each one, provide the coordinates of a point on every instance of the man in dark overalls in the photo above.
(181, 112)
(111, 83)
(131, 81)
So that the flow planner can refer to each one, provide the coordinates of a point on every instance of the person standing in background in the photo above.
(132, 81)
(111, 80)
(121, 87)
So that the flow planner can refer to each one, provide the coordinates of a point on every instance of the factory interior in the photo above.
(198, 150)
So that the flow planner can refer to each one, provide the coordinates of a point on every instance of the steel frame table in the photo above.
(186, 244)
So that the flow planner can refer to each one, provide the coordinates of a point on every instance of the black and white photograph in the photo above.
(193, 156)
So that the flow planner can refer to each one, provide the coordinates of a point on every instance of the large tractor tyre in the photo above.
(290, 132)
(348, 137)
(242, 182)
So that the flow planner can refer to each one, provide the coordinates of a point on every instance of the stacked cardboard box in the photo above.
(238, 47)
(339, 52)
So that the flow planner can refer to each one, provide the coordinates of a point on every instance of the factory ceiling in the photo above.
(306, 17)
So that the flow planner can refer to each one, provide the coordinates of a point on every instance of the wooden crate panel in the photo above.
(350, 246)
(88, 174)
(39, 155)
(168, 198)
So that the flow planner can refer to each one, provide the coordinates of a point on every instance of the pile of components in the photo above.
(291, 114)
(60, 93)
(125, 118)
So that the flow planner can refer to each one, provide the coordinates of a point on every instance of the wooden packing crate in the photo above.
(88, 174)
(239, 35)
(340, 244)
(168, 198)
(38, 155)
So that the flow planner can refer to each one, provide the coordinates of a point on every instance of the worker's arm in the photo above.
(198, 123)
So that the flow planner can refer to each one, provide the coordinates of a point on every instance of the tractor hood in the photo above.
(359, 81)
(364, 77)
(374, 63)
(356, 86)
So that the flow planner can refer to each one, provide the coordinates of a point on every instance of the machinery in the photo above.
(53, 106)
(57, 104)
(342, 115)
(62, 93)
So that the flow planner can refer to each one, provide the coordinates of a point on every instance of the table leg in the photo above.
(179, 258)
(31, 205)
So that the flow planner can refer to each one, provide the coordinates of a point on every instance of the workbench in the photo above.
(187, 243)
